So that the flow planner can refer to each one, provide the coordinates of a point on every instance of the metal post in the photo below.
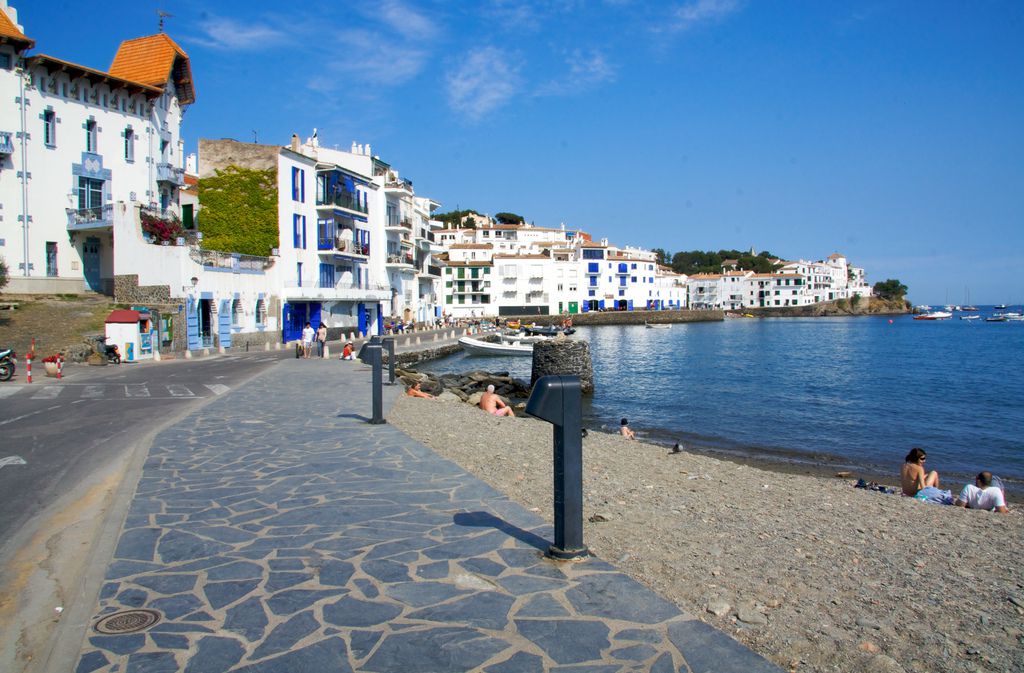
(389, 343)
(558, 400)
(373, 353)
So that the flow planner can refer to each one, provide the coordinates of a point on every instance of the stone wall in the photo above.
(629, 317)
(128, 291)
(215, 155)
(566, 357)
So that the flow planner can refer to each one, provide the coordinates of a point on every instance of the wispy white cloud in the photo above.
(406, 21)
(365, 56)
(690, 14)
(587, 69)
(484, 82)
(231, 35)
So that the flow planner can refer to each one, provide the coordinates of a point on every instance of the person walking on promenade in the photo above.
(493, 405)
(912, 475)
(321, 338)
(307, 340)
(982, 494)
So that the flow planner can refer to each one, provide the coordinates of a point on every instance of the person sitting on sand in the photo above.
(492, 404)
(982, 495)
(346, 352)
(625, 431)
(913, 477)
(414, 391)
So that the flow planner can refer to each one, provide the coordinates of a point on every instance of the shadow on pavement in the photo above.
(486, 520)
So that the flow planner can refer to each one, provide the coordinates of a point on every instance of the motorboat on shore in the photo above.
(480, 347)
(658, 325)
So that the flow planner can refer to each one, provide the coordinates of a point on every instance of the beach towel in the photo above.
(935, 496)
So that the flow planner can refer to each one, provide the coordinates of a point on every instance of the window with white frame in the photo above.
(261, 312)
(129, 144)
(236, 313)
(50, 128)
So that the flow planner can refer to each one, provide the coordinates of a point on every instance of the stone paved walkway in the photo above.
(276, 530)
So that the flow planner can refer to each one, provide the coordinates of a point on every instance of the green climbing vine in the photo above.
(239, 211)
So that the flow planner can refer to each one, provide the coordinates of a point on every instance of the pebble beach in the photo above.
(805, 570)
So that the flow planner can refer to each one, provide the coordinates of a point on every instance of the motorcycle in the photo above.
(109, 351)
(7, 364)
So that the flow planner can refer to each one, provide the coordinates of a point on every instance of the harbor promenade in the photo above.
(274, 529)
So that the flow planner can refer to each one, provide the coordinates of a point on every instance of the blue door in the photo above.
(192, 323)
(293, 320)
(224, 323)
(91, 264)
(314, 314)
(362, 318)
(380, 320)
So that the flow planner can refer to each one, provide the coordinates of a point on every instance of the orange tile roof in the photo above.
(9, 33)
(153, 60)
(76, 70)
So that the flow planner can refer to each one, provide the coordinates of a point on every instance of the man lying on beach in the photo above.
(414, 391)
(492, 404)
(912, 475)
(982, 495)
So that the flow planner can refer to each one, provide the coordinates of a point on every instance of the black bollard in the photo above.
(373, 353)
(389, 343)
(558, 400)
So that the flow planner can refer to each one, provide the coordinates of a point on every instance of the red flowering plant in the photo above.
(56, 357)
(161, 228)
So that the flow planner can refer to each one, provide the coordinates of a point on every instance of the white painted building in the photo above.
(74, 142)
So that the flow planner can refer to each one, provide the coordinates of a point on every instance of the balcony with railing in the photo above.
(350, 247)
(6, 142)
(312, 288)
(398, 184)
(82, 219)
(342, 199)
(166, 172)
(230, 262)
(400, 260)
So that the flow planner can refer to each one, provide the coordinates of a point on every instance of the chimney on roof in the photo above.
(368, 150)
(354, 147)
(295, 142)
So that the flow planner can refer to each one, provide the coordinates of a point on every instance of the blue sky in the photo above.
(889, 131)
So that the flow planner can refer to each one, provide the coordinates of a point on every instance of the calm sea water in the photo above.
(856, 392)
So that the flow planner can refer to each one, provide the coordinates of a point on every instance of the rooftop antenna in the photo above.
(163, 15)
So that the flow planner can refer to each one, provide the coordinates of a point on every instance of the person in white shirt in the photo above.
(307, 340)
(982, 495)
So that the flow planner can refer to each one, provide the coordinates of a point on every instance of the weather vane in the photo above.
(163, 15)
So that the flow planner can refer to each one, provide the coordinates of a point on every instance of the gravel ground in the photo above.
(808, 571)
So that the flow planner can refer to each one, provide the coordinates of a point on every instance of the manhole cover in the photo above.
(128, 621)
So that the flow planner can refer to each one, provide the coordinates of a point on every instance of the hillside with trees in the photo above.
(457, 219)
(700, 261)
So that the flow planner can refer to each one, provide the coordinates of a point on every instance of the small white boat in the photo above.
(970, 317)
(658, 325)
(521, 337)
(478, 347)
(1016, 317)
(934, 316)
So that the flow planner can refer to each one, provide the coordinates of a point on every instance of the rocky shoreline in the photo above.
(806, 570)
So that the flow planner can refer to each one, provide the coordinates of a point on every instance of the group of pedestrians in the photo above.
(318, 336)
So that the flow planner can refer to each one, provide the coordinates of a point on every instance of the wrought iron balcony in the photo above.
(165, 172)
(90, 218)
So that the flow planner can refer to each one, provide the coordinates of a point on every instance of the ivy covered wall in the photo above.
(239, 210)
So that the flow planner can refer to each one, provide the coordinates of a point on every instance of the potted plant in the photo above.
(50, 364)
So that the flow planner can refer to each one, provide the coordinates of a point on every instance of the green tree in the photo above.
(239, 211)
(890, 289)
(3, 273)
(455, 218)
(699, 261)
(509, 218)
(664, 256)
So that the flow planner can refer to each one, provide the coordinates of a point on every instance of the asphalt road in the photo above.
(55, 434)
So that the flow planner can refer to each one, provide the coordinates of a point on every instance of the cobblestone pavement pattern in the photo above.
(276, 530)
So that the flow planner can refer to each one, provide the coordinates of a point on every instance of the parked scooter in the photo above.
(109, 351)
(7, 364)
